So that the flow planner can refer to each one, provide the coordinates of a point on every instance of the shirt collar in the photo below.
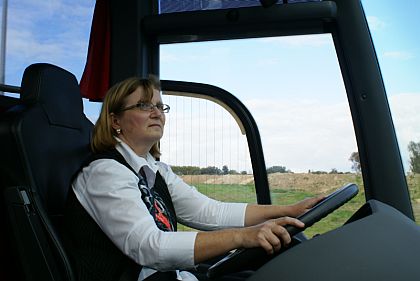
(149, 164)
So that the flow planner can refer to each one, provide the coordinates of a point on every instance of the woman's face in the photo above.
(140, 129)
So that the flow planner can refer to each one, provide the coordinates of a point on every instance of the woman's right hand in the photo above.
(270, 235)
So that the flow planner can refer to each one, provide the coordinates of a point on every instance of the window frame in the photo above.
(382, 168)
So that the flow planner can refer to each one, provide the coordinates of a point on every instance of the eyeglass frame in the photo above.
(165, 107)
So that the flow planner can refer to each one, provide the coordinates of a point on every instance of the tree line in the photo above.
(210, 170)
(413, 149)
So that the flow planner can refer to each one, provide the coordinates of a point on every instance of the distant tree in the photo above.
(233, 172)
(414, 151)
(355, 160)
(277, 169)
(243, 172)
(210, 170)
(334, 171)
(225, 170)
(186, 170)
(318, 172)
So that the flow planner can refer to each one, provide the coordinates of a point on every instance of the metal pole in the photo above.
(3, 42)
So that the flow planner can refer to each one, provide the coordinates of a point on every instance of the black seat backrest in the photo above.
(43, 141)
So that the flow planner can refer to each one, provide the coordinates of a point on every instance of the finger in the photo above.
(282, 235)
(317, 199)
(289, 221)
(268, 237)
(310, 202)
(275, 238)
(266, 245)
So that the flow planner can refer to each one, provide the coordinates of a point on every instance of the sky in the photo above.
(291, 85)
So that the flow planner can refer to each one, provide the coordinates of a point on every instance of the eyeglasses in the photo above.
(147, 106)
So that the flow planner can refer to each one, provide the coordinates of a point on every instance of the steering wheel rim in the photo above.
(243, 259)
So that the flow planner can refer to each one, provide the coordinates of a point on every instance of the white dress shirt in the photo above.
(109, 192)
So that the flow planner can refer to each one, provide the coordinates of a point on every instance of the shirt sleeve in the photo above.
(110, 194)
(196, 210)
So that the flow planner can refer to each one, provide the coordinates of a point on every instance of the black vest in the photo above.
(94, 256)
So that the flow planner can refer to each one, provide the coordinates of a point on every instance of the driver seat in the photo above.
(44, 141)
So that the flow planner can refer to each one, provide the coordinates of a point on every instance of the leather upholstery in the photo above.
(43, 141)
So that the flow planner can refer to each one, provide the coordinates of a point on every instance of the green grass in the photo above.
(332, 221)
(229, 192)
(246, 193)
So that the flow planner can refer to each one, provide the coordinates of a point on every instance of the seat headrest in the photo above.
(56, 90)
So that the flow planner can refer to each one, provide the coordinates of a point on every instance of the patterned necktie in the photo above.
(154, 204)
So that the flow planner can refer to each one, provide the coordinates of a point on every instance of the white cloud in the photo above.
(268, 62)
(298, 134)
(300, 41)
(168, 57)
(20, 40)
(399, 55)
(305, 134)
(405, 108)
(375, 23)
(47, 31)
(190, 53)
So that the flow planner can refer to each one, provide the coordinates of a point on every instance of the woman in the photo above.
(122, 214)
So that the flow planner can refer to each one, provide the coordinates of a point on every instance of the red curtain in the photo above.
(96, 75)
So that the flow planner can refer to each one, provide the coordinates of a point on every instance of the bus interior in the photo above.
(45, 134)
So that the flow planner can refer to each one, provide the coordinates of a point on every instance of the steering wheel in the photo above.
(253, 258)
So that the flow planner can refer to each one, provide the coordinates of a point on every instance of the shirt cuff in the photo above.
(178, 249)
(232, 215)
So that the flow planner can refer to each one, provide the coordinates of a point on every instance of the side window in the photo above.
(204, 144)
(63, 43)
(293, 88)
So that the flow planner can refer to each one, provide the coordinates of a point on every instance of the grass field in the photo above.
(289, 188)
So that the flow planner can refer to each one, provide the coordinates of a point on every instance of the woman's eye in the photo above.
(144, 106)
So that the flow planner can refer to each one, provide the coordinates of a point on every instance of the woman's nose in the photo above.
(156, 112)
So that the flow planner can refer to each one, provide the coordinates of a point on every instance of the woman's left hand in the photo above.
(303, 206)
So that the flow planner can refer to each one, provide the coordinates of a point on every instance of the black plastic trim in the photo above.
(9, 89)
(245, 22)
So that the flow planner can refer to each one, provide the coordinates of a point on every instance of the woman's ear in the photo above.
(115, 122)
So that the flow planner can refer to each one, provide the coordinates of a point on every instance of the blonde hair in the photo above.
(103, 138)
